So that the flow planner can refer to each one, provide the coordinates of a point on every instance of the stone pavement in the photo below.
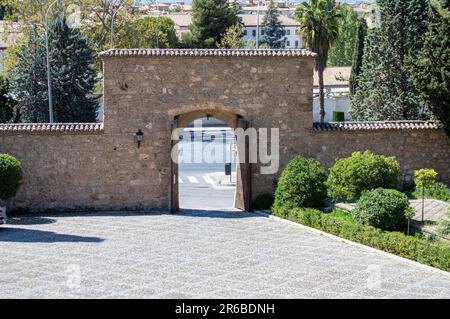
(196, 254)
(434, 210)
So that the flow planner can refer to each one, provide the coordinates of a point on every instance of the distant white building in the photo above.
(337, 89)
(250, 21)
(294, 40)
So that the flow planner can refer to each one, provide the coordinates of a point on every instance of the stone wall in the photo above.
(99, 167)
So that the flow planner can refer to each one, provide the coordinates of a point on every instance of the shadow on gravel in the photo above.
(18, 235)
(31, 221)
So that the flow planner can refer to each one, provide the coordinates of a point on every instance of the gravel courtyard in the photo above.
(196, 254)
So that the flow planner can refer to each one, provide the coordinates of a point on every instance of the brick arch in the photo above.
(243, 194)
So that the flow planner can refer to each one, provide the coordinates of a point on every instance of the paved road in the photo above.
(196, 254)
(196, 188)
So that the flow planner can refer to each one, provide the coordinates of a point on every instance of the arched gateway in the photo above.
(101, 167)
(160, 90)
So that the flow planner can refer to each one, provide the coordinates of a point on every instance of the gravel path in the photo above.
(196, 254)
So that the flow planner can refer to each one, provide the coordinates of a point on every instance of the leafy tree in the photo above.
(96, 16)
(342, 50)
(233, 38)
(7, 8)
(431, 70)
(424, 178)
(385, 88)
(73, 76)
(210, 20)
(358, 55)
(148, 32)
(319, 23)
(272, 30)
(6, 102)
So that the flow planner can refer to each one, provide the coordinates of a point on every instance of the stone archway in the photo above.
(243, 194)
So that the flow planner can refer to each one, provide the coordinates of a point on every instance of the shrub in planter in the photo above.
(263, 201)
(10, 176)
(302, 184)
(387, 209)
(350, 176)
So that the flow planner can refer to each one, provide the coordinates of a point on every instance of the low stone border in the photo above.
(368, 248)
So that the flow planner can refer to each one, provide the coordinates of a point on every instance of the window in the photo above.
(254, 33)
(296, 44)
(288, 32)
(245, 32)
(288, 43)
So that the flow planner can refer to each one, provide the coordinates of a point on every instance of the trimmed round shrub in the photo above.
(263, 201)
(10, 176)
(387, 209)
(301, 185)
(350, 176)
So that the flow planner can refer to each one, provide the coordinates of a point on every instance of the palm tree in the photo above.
(319, 25)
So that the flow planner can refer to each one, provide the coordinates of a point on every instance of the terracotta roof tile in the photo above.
(382, 125)
(206, 53)
(52, 128)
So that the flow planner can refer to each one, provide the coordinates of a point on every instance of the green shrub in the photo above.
(343, 215)
(263, 201)
(436, 254)
(302, 184)
(10, 176)
(386, 209)
(438, 191)
(338, 116)
(350, 176)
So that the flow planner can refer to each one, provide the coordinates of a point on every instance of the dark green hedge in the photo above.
(387, 209)
(10, 176)
(302, 184)
(434, 254)
(350, 176)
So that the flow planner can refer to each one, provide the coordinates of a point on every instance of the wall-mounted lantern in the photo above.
(139, 136)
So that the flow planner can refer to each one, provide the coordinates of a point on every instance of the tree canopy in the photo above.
(73, 76)
(272, 30)
(385, 86)
(210, 20)
(431, 69)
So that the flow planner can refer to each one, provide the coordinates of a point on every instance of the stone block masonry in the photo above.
(99, 167)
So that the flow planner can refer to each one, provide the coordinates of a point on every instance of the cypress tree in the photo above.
(73, 74)
(432, 66)
(210, 20)
(272, 30)
(385, 88)
(358, 55)
(29, 80)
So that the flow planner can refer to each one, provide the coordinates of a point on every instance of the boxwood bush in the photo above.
(302, 184)
(436, 254)
(387, 209)
(350, 176)
(10, 176)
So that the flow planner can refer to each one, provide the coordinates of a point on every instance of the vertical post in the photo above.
(423, 203)
(257, 26)
(49, 76)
